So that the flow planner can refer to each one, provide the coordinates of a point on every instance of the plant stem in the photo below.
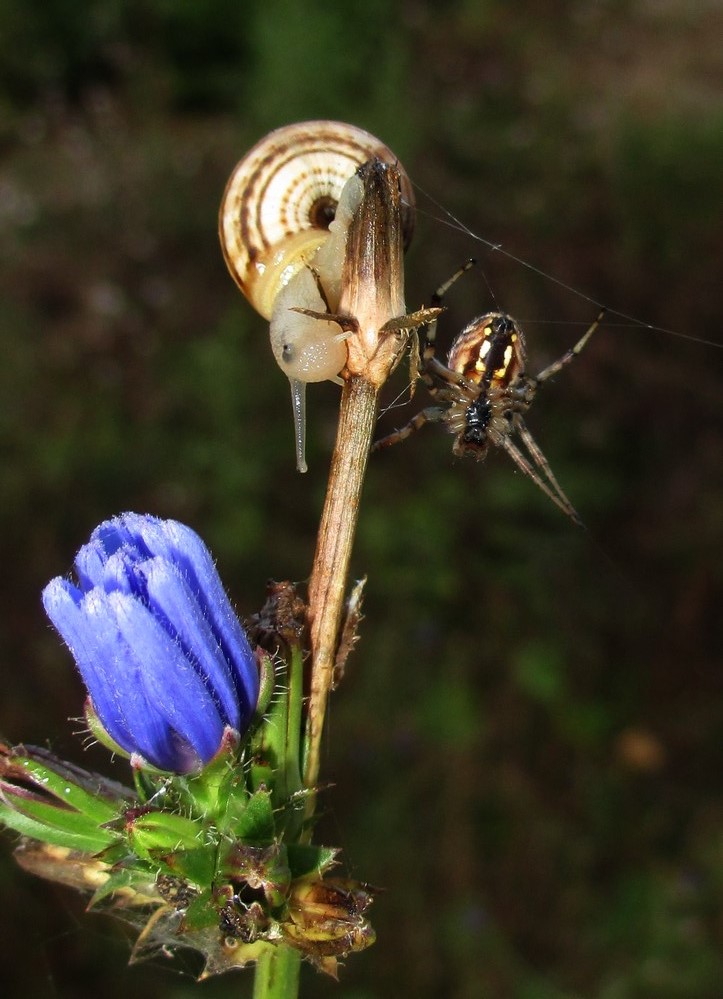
(371, 308)
(327, 586)
(276, 974)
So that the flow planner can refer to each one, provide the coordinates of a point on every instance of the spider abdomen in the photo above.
(489, 351)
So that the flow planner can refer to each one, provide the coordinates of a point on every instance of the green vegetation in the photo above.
(527, 747)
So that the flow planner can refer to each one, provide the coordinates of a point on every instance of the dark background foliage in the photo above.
(527, 748)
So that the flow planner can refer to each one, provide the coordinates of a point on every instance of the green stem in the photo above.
(294, 718)
(276, 975)
(294, 738)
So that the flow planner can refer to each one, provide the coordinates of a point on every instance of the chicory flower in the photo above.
(166, 662)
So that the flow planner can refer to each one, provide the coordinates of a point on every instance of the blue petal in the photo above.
(172, 686)
(122, 531)
(122, 572)
(170, 595)
(125, 531)
(111, 674)
(110, 549)
(108, 538)
(148, 733)
(89, 565)
(184, 547)
(94, 646)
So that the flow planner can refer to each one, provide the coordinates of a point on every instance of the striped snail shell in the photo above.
(283, 224)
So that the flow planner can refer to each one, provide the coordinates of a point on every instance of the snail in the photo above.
(282, 224)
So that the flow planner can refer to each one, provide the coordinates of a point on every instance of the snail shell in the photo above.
(280, 207)
(282, 197)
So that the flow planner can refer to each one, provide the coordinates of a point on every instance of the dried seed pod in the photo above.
(283, 224)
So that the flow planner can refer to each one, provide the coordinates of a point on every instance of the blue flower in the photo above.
(166, 662)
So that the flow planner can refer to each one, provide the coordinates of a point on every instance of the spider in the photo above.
(482, 393)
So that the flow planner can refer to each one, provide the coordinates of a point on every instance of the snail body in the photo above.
(283, 224)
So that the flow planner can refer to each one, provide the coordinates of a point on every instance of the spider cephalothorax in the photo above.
(482, 394)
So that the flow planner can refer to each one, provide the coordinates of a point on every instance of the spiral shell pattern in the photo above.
(282, 196)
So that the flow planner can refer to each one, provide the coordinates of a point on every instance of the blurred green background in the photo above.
(527, 748)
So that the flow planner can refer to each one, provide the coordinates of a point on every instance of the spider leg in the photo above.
(551, 488)
(437, 299)
(431, 414)
(553, 368)
(439, 294)
(415, 363)
(445, 374)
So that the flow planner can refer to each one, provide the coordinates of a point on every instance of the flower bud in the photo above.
(166, 662)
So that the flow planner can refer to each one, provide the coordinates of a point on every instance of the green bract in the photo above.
(212, 861)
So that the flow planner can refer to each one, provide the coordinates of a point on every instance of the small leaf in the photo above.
(207, 793)
(162, 832)
(310, 859)
(58, 818)
(26, 826)
(99, 809)
(197, 866)
(267, 682)
(256, 824)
